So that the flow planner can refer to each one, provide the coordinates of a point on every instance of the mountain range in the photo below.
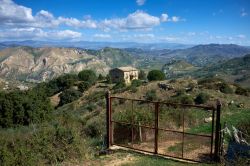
(44, 63)
(94, 45)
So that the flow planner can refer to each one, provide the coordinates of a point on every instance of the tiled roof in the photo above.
(128, 68)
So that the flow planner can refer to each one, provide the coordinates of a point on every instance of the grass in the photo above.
(129, 158)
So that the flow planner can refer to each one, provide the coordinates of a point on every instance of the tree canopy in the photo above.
(155, 75)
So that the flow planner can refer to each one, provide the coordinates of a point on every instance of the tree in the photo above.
(201, 98)
(66, 81)
(155, 75)
(142, 75)
(100, 77)
(83, 86)
(108, 79)
(24, 108)
(87, 75)
(68, 96)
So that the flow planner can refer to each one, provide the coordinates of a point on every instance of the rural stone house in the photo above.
(126, 74)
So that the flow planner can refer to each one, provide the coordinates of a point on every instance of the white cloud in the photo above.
(241, 36)
(18, 22)
(102, 36)
(88, 23)
(144, 36)
(66, 34)
(169, 38)
(164, 17)
(136, 20)
(13, 13)
(191, 33)
(140, 2)
(37, 34)
(175, 19)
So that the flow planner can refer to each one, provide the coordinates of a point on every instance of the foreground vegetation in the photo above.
(74, 128)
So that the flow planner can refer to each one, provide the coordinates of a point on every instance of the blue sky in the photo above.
(173, 21)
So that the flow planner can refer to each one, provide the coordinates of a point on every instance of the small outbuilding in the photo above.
(126, 74)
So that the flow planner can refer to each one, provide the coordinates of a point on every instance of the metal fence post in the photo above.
(108, 120)
(217, 133)
(156, 126)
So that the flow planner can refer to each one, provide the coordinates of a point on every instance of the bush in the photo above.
(56, 85)
(108, 79)
(23, 108)
(155, 75)
(136, 83)
(180, 92)
(185, 99)
(100, 77)
(182, 99)
(241, 91)
(210, 80)
(83, 86)
(66, 81)
(201, 98)
(142, 75)
(225, 88)
(151, 95)
(119, 85)
(95, 127)
(87, 75)
(68, 96)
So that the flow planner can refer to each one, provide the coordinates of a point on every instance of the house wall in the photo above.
(126, 76)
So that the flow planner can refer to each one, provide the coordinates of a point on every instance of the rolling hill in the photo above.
(202, 55)
(234, 70)
(37, 64)
(177, 67)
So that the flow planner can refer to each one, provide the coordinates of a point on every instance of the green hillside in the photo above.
(177, 67)
(235, 70)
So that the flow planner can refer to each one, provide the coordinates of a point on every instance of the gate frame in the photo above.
(214, 138)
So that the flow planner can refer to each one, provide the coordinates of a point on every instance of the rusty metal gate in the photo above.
(183, 131)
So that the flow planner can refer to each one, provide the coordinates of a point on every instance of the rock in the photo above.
(207, 120)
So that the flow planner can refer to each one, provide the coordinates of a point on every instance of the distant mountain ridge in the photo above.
(202, 55)
(96, 45)
(44, 63)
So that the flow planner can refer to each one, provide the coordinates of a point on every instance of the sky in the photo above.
(143, 21)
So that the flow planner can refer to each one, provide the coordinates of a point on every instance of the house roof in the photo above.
(128, 68)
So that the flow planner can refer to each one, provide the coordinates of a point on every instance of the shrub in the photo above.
(201, 98)
(83, 86)
(136, 83)
(182, 99)
(142, 75)
(155, 75)
(241, 91)
(68, 96)
(100, 77)
(210, 80)
(56, 85)
(185, 99)
(180, 92)
(87, 75)
(151, 95)
(119, 85)
(95, 127)
(244, 126)
(108, 79)
(66, 81)
(23, 108)
(225, 88)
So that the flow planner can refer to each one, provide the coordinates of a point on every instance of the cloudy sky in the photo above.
(173, 21)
